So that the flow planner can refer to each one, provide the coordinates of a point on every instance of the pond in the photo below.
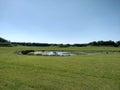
(60, 53)
(47, 53)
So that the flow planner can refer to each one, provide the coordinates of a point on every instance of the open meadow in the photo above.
(79, 72)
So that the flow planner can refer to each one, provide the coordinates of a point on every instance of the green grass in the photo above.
(84, 72)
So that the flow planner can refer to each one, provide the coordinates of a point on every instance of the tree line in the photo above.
(105, 43)
(94, 43)
(4, 42)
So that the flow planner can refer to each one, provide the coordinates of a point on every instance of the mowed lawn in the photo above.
(83, 72)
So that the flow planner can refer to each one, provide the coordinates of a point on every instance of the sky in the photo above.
(60, 21)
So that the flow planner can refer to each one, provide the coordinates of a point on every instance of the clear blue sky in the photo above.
(60, 21)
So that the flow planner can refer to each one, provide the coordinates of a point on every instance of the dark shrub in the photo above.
(27, 51)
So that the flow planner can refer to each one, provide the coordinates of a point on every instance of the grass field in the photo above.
(83, 72)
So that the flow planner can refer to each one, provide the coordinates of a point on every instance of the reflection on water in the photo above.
(52, 53)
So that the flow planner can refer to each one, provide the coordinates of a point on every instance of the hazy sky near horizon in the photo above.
(60, 21)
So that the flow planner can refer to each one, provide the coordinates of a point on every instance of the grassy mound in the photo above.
(5, 43)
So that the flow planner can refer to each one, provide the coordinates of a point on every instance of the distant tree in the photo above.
(94, 43)
(80, 45)
(100, 43)
(103, 43)
(118, 43)
(30, 44)
(112, 43)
